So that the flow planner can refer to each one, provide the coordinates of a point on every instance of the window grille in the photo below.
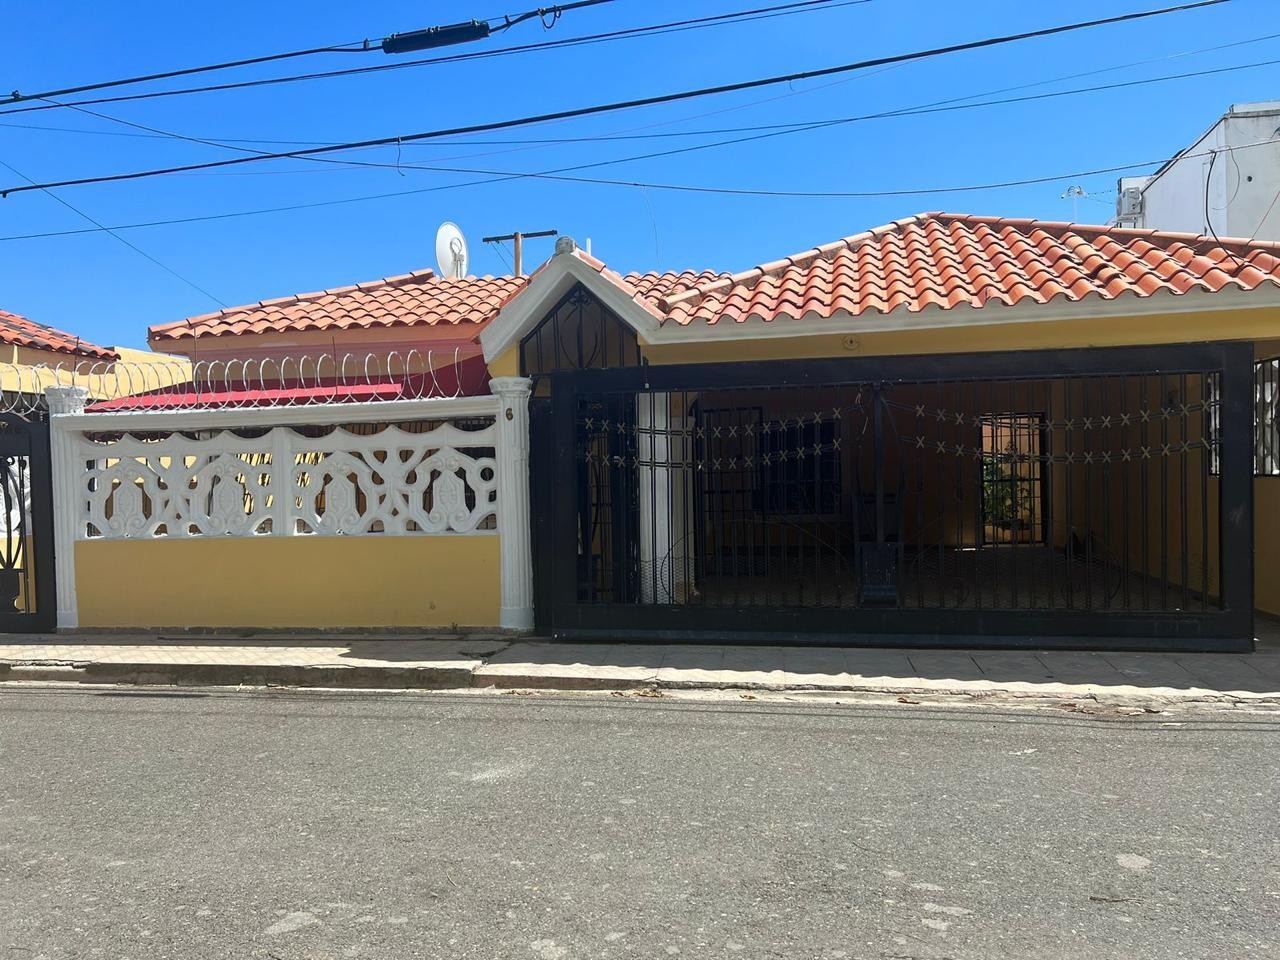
(1266, 429)
(1266, 418)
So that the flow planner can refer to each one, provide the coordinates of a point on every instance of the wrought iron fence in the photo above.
(1071, 493)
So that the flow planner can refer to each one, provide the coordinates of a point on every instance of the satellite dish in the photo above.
(451, 250)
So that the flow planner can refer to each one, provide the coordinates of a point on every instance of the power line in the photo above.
(625, 104)
(681, 188)
(769, 130)
(600, 138)
(500, 176)
(112, 232)
(354, 46)
(661, 29)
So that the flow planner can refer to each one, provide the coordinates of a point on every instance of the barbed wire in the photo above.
(173, 383)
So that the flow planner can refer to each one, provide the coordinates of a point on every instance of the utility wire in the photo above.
(99, 227)
(624, 104)
(355, 46)
(556, 174)
(682, 188)
(660, 29)
(542, 13)
(600, 138)
(769, 130)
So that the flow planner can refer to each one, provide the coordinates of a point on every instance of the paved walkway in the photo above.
(496, 661)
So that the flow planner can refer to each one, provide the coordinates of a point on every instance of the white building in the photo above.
(1227, 182)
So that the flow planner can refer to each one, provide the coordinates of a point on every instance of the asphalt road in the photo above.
(297, 827)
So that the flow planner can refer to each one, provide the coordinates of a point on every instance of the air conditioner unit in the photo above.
(1129, 203)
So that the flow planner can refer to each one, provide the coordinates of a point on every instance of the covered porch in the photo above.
(1047, 498)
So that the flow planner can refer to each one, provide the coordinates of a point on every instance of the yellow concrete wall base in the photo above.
(1266, 547)
(407, 581)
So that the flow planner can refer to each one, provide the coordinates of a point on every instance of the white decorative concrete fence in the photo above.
(453, 467)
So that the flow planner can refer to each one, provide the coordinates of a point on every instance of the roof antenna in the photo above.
(1075, 193)
(517, 241)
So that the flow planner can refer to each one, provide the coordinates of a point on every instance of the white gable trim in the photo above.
(552, 281)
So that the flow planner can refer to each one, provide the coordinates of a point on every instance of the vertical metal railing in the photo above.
(1093, 494)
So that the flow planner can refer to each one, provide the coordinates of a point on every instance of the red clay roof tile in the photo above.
(18, 331)
(406, 300)
(944, 260)
(930, 261)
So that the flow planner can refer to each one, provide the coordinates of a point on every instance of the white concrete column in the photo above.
(68, 475)
(282, 522)
(653, 450)
(514, 515)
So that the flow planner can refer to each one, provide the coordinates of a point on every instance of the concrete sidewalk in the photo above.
(481, 661)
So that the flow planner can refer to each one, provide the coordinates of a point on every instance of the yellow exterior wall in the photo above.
(506, 364)
(1266, 544)
(374, 581)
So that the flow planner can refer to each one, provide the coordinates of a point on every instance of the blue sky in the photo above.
(97, 287)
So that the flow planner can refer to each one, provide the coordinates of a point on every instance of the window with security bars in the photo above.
(1266, 418)
(1012, 477)
(1266, 429)
(800, 468)
(780, 465)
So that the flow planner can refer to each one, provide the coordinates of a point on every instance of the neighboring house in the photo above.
(34, 356)
(946, 428)
(1227, 182)
(31, 352)
(409, 335)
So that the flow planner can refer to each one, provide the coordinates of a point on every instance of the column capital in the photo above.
(66, 399)
(511, 388)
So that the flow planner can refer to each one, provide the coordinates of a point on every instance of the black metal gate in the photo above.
(27, 594)
(1078, 497)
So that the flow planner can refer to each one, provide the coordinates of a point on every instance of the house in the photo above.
(30, 352)
(1227, 182)
(34, 356)
(947, 429)
(410, 335)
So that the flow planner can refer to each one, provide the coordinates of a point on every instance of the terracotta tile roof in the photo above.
(18, 331)
(647, 301)
(948, 260)
(407, 300)
(933, 260)
(660, 286)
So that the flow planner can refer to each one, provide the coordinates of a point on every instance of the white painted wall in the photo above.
(1243, 187)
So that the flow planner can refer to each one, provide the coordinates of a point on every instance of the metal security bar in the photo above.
(1266, 402)
(27, 601)
(1069, 503)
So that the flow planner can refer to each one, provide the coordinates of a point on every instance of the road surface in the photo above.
(294, 826)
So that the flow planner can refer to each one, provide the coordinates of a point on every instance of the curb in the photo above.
(236, 675)
(482, 677)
